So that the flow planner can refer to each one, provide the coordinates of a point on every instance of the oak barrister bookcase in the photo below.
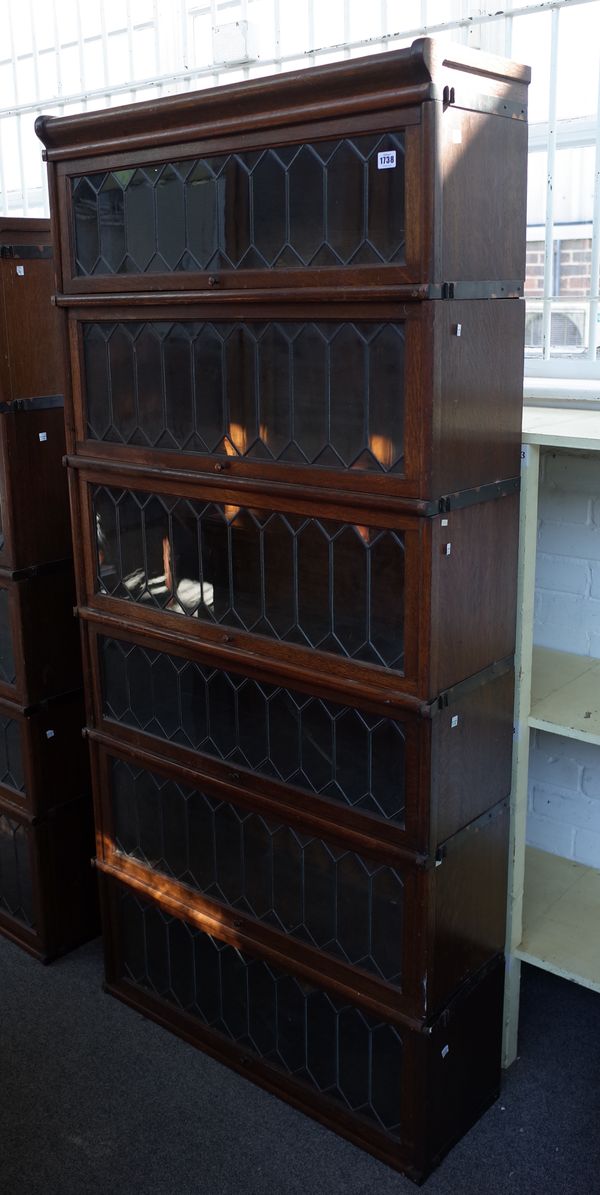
(47, 894)
(296, 332)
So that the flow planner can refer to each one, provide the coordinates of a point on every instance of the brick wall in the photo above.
(575, 268)
(564, 777)
(534, 270)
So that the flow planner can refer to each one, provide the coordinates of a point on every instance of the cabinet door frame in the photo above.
(383, 277)
(289, 658)
(416, 395)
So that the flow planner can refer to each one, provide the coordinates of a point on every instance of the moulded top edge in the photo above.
(23, 231)
(396, 78)
(14, 224)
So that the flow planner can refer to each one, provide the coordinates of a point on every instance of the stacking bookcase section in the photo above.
(295, 331)
(379, 597)
(30, 361)
(34, 505)
(42, 759)
(327, 896)
(351, 1067)
(416, 400)
(380, 175)
(47, 888)
(48, 899)
(408, 773)
(39, 639)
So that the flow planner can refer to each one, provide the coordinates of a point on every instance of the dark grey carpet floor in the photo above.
(93, 1098)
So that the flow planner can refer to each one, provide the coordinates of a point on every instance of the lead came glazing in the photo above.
(326, 896)
(312, 744)
(333, 1047)
(16, 895)
(320, 204)
(7, 660)
(322, 393)
(11, 755)
(308, 581)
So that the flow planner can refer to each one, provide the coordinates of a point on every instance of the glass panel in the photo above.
(7, 660)
(170, 217)
(328, 394)
(315, 745)
(182, 964)
(11, 757)
(337, 588)
(111, 226)
(328, 897)
(16, 894)
(324, 204)
(324, 1044)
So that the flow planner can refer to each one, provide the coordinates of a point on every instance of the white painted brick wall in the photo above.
(564, 774)
(564, 797)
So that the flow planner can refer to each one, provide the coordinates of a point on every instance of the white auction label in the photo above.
(386, 160)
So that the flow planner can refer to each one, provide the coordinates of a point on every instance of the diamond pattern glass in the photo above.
(344, 754)
(333, 899)
(16, 892)
(328, 394)
(7, 659)
(11, 755)
(334, 587)
(319, 204)
(332, 1047)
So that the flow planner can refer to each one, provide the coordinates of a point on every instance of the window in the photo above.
(61, 56)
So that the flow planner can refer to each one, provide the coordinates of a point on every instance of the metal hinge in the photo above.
(6, 251)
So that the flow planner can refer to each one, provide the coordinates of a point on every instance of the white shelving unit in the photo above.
(554, 903)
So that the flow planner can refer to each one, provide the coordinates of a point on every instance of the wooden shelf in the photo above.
(561, 914)
(565, 694)
(562, 428)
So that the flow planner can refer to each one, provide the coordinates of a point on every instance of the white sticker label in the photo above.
(49, 734)
(454, 721)
(444, 522)
(20, 271)
(43, 436)
(445, 1051)
(386, 160)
